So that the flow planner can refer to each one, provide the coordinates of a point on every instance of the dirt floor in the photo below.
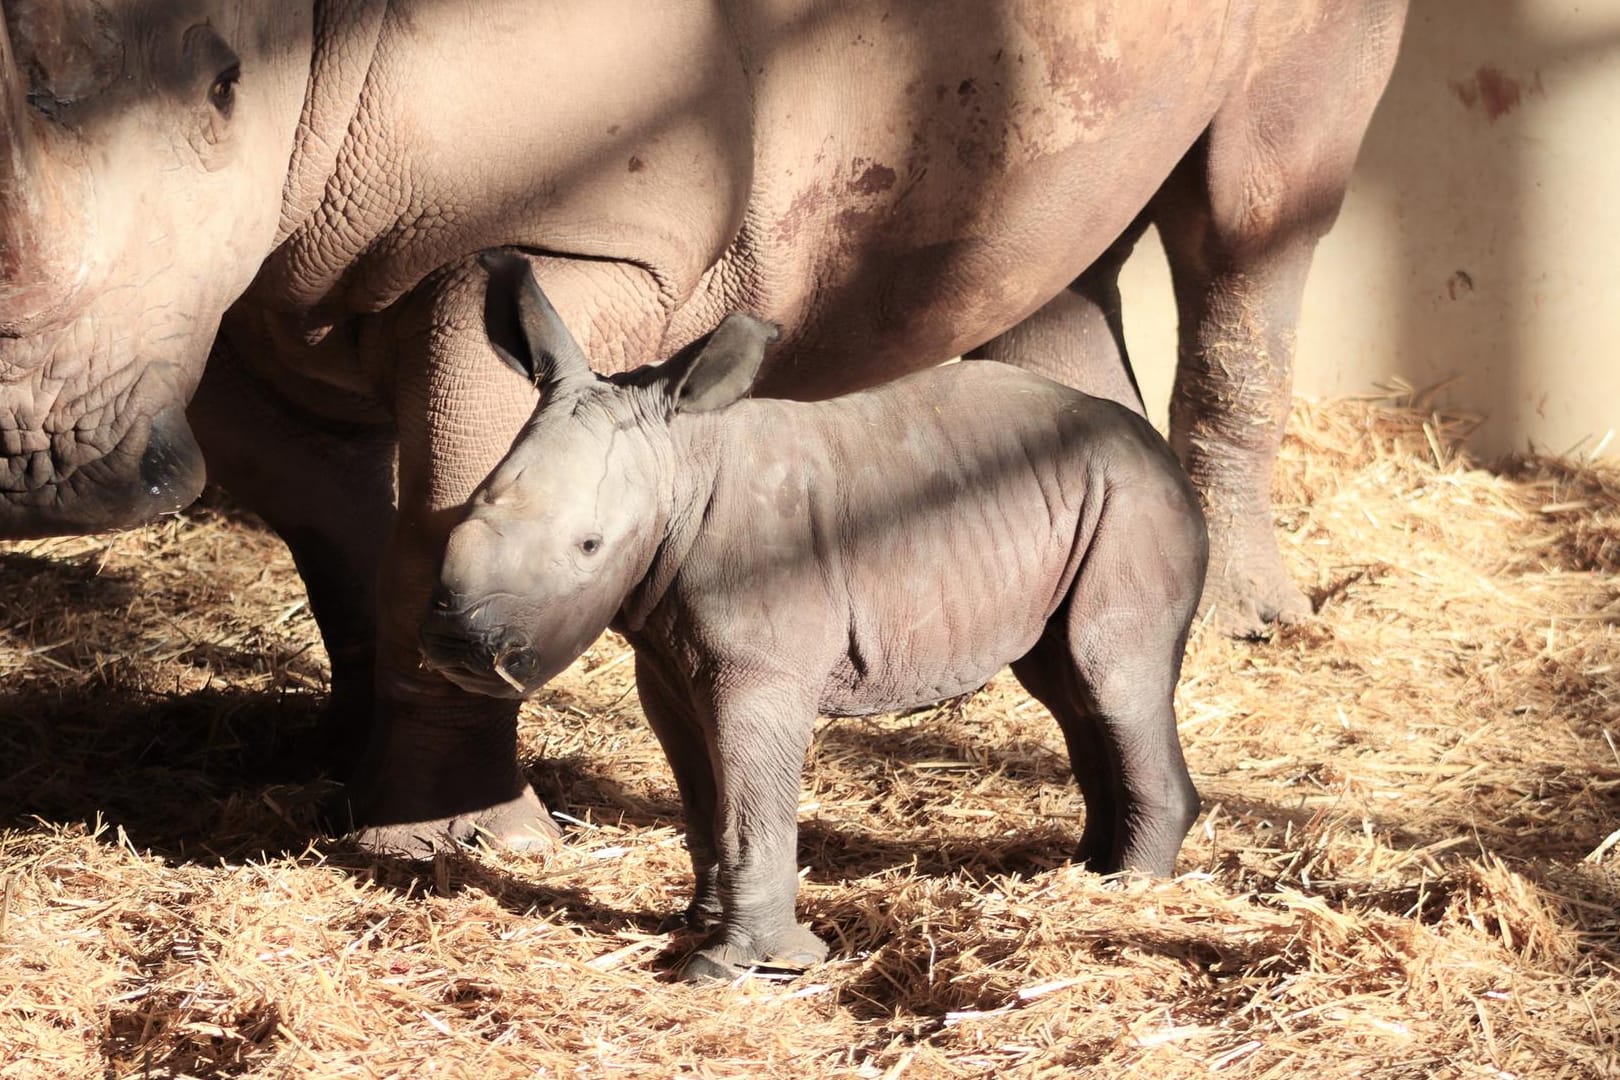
(1409, 863)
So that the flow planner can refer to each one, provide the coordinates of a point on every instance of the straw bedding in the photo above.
(1409, 863)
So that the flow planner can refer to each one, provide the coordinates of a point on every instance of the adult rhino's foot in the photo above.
(1247, 592)
(441, 772)
(520, 824)
(792, 948)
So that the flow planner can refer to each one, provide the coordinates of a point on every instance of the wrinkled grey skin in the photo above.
(770, 561)
(295, 191)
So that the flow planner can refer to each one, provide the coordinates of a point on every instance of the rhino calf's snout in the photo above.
(468, 647)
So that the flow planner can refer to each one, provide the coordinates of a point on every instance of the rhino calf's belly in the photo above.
(959, 546)
(933, 647)
(852, 692)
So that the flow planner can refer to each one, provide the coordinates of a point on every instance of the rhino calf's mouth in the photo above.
(476, 655)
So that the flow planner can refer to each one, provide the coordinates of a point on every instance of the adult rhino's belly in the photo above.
(961, 188)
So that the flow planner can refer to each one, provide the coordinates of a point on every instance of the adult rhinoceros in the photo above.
(298, 189)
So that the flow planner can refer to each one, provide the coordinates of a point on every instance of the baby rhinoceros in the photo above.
(773, 560)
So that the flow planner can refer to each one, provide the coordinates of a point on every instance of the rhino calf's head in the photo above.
(568, 524)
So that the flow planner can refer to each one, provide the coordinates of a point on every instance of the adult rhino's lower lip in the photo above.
(171, 469)
(118, 491)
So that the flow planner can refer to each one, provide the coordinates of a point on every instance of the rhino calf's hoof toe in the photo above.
(792, 950)
(699, 916)
(691, 917)
(1098, 856)
(700, 968)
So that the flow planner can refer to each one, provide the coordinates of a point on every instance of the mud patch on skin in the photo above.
(69, 54)
(1494, 92)
(874, 179)
(1082, 70)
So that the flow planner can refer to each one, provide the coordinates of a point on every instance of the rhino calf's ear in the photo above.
(724, 369)
(526, 330)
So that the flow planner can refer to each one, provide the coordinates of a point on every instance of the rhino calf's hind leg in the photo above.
(1048, 674)
(1107, 669)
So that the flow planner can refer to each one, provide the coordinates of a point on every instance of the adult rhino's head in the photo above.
(569, 523)
(144, 148)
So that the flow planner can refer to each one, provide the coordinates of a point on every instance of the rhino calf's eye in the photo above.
(590, 545)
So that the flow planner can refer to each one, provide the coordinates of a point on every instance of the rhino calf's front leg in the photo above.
(759, 733)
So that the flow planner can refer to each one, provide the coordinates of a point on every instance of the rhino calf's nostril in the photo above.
(516, 665)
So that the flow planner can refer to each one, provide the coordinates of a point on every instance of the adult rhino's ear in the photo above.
(723, 369)
(526, 330)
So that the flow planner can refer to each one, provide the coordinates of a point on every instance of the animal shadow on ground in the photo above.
(197, 738)
(211, 776)
(913, 980)
(459, 870)
(204, 775)
(28, 582)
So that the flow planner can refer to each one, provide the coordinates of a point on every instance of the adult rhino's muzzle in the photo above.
(171, 469)
(471, 650)
(163, 472)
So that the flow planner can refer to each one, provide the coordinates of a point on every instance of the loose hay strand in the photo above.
(1407, 867)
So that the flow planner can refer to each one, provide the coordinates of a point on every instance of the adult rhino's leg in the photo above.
(1240, 219)
(327, 489)
(442, 762)
(1078, 337)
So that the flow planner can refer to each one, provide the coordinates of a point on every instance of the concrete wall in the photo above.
(1480, 241)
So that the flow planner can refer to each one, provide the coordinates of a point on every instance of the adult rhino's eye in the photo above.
(591, 545)
(222, 93)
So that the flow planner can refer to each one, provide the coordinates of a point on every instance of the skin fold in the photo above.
(771, 561)
(295, 194)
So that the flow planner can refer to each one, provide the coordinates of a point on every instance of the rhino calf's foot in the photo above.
(520, 824)
(793, 948)
(1097, 850)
